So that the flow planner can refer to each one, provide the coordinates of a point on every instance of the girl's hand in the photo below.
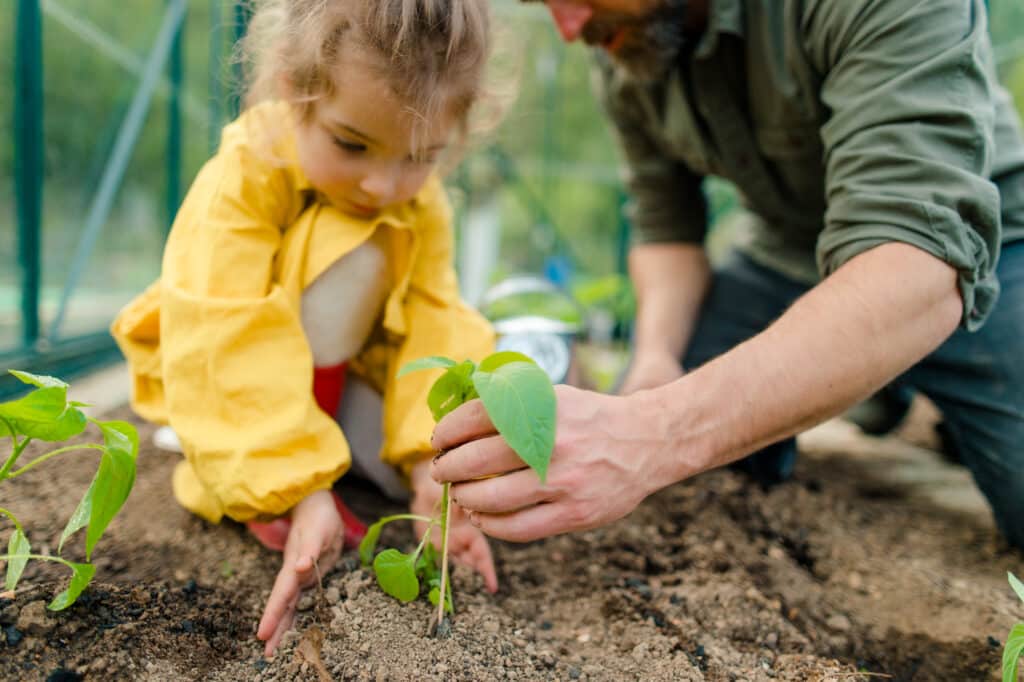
(315, 540)
(466, 544)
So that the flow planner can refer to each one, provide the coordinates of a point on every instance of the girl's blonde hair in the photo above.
(432, 53)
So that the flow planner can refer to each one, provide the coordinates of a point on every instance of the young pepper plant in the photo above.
(520, 400)
(1015, 640)
(45, 414)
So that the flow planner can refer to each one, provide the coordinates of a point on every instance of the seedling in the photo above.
(45, 414)
(1015, 640)
(519, 399)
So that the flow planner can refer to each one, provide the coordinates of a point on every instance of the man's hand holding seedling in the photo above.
(598, 471)
(467, 544)
(314, 544)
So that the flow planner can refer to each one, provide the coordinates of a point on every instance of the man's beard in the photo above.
(651, 45)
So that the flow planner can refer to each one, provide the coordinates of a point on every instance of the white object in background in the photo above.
(478, 248)
(166, 439)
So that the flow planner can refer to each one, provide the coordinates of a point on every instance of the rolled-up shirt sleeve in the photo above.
(909, 140)
(666, 199)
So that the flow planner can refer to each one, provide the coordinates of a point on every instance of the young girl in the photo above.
(315, 249)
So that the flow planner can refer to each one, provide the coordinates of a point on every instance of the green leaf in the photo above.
(520, 401)
(18, 545)
(43, 414)
(496, 360)
(369, 543)
(38, 380)
(451, 389)
(114, 478)
(1012, 653)
(82, 575)
(431, 362)
(396, 575)
(1017, 585)
(78, 520)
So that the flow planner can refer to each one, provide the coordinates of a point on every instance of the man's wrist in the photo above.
(683, 445)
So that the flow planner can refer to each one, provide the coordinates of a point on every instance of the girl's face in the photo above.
(357, 147)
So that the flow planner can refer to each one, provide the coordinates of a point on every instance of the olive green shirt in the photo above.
(844, 125)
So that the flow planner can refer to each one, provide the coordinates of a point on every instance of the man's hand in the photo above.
(466, 544)
(603, 466)
(315, 540)
(650, 370)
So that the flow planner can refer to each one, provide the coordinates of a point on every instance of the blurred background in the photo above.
(109, 109)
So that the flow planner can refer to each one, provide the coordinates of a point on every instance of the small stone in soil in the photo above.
(546, 625)
(33, 619)
(443, 629)
(574, 673)
(260, 664)
(12, 635)
(306, 602)
(188, 626)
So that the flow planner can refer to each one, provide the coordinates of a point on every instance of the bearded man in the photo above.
(881, 168)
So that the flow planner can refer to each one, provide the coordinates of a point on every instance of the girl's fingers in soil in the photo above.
(463, 424)
(479, 458)
(470, 548)
(503, 494)
(283, 598)
(478, 556)
(284, 626)
(532, 523)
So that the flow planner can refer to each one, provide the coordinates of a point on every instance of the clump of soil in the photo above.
(713, 579)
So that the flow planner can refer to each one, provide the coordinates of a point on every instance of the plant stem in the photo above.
(14, 520)
(38, 557)
(423, 543)
(446, 508)
(43, 458)
(16, 450)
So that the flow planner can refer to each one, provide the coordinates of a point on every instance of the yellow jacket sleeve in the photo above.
(236, 367)
(438, 322)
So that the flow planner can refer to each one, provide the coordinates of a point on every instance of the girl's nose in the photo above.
(380, 186)
(570, 17)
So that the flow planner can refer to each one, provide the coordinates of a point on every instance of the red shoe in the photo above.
(274, 534)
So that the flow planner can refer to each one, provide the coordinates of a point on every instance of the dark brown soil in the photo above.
(715, 579)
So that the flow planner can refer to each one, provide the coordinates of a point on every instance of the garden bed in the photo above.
(832, 573)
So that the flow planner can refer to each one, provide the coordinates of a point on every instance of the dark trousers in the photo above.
(975, 379)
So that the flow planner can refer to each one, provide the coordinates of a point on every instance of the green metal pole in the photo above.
(28, 159)
(174, 137)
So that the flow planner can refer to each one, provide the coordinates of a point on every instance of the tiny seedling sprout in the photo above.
(520, 401)
(45, 414)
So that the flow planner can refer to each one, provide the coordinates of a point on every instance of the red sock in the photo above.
(328, 385)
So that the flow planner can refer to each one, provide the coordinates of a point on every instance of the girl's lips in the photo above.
(361, 209)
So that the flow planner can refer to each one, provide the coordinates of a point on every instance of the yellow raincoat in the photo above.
(216, 346)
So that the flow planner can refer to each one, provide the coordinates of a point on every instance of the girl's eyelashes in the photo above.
(350, 147)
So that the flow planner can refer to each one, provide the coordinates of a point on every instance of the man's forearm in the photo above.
(867, 323)
(671, 281)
